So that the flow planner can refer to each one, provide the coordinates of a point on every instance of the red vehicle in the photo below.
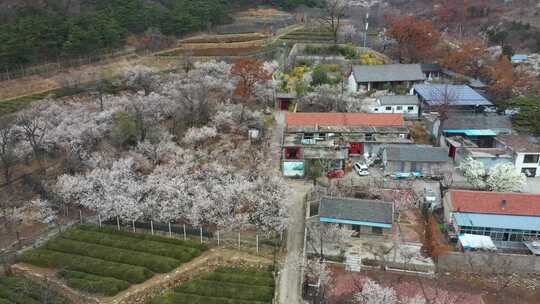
(335, 173)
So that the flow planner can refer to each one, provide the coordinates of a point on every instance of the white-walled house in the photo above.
(379, 77)
(398, 104)
(526, 150)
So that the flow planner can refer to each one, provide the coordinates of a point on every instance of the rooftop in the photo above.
(521, 142)
(498, 221)
(495, 203)
(356, 210)
(388, 72)
(343, 119)
(458, 95)
(417, 153)
(477, 121)
(399, 100)
(430, 67)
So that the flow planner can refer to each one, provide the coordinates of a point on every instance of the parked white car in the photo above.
(361, 169)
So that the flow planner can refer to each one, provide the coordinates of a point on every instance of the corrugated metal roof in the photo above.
(388, 72)
(497, 221)
(469, 132)
(417, 153)
(459, 95)
(359, 210)
(404, 100)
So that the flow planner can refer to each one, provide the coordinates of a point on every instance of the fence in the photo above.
(489, 263)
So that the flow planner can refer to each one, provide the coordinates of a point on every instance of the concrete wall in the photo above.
(351, 84)
(394, 109)
(481, 262)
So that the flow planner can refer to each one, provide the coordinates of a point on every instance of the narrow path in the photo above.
(289, 289)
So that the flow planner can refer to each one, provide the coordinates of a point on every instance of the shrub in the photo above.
(25, 292)
(184, 298)
(153, 262)
(238, 278)
(181, 253)
(4, 301)
(228, 290)
(319, 77)
(92, 283)
(52, 259)
(141, 236)
(11, 296)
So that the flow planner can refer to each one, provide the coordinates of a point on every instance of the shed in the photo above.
(358, 214)
(428, 160)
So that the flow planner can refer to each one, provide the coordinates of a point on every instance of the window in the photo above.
(410, 108)
(388, 108)
(530, 158)
(376, 110)
(377, 230)
(308, 135)
(529, 172)
(399, 108)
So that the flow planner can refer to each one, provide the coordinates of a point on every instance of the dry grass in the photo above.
(228, 38)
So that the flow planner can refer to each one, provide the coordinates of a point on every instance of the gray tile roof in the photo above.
(356, 210)
(388, 72)
(459, 95)
(477, 121)
(400, 100)
(417, 153)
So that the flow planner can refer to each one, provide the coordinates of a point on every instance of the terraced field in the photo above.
(304, 35)
(219, 45)
(17, 290)
(105, 261)
(224, 286)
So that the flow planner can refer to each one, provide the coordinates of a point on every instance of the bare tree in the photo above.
(334, 11)
(34, 128)
(141, 78)
(443, 98)
(8, 155)
(325, 234)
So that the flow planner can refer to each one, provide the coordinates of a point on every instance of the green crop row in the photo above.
(244, 271)
(180, 253)
(227, 290)
(155, 238)
(53, 259)
(184, 298)
(238, 278)
(93, 284)
(155, 263)
(17, 290)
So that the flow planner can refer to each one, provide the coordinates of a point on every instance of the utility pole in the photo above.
(366, 26)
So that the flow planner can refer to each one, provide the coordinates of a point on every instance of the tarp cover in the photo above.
(473, 241)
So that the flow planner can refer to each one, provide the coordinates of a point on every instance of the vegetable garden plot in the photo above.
(224, 285)
(17, 290)
(104, 261)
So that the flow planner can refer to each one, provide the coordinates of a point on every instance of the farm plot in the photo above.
(17, 290)
(219, 45)
(308, 35)
(105, 261)
(224, 286)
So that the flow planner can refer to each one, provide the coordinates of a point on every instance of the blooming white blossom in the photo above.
(505, 178)
(196, 136)
(373, 293)
(474, 171)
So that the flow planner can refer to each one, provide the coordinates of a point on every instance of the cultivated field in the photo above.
(17, 290)
(308, 35)
(105, 261)
(226, 285)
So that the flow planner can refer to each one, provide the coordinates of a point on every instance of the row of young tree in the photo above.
(162, 151)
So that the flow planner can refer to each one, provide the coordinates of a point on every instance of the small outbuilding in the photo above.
(363, 216)
(402, 104)
(426, 160)
(379, 77)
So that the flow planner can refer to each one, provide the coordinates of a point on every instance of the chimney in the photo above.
(503, 204)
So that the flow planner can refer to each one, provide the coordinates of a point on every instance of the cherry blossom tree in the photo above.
(327, 234)
(505, 178)
(157, 146)
(474, 171)
(197, 136)
(373, 293)
(141, 78)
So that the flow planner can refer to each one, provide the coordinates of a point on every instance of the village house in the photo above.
(461, 149)
(401, 104)
(384, 76)
(509, 219)
(460, 98)
(427, 160)
(337, 138)
(365, 217)
(526, 152)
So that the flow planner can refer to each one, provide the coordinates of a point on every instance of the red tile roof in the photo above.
(343, 119)
(491, 202)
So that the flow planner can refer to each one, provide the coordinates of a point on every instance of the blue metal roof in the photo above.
(520, 57)
(497, 221)
(469, 132)
(461, 95)
(350, 222)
